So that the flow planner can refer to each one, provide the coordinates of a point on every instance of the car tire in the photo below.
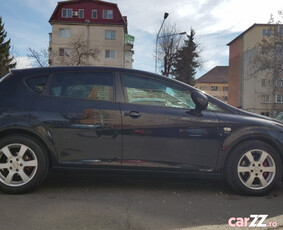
(23, 164)
(253, 168)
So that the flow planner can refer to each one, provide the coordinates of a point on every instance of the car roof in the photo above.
(57, 69)
(48, 70)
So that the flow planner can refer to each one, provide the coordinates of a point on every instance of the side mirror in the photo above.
(200, 100)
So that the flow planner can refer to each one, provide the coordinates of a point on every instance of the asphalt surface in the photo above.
(87, 200)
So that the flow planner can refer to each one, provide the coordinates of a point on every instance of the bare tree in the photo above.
(40, 57)
(78, 52)
(268, 60)
(168, 43)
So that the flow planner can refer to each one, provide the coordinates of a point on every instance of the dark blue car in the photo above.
(120, 119)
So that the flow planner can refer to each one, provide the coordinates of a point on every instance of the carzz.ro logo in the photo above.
(256, 221)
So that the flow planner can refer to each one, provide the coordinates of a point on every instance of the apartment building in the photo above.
(90, 32)
(215, 82)
(254, 91)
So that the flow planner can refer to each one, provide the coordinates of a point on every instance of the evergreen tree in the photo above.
(187, 60)
(6, 61)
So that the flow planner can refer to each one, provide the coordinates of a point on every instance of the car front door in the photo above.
(160, 129)
(82, 117)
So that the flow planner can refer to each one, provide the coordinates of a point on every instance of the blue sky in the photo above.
(216, 22)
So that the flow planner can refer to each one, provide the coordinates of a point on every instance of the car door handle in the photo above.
(132, 114)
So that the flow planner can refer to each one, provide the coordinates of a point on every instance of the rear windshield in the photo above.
(5, 77)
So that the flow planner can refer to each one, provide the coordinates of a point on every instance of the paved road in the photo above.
(80, 200)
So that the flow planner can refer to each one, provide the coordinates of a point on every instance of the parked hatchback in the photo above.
(120, 119)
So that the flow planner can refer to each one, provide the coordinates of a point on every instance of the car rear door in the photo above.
(81, 115)
(159, 129)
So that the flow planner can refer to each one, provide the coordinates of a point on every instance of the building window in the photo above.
(279, 98)
(110, 54)
(225, 88)
(202, 87)
(214, 88)
(110, 35)
(279, 83)
(81, 13)
(265, 82)
(225, 98)
(266, 32)
(94, 13)
(67, 13)
(64, 52)
(265, 99)
(107, 14)
(265, 114)
(65, 33)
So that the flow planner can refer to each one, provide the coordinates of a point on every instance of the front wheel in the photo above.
(23, 164)
(253, 168)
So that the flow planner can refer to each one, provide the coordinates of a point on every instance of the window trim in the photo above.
(106, 10)
(61, 29)
(67, 9)
(110, 57)
(110, 31)
(81, 10)
(276, 97)
(279, 83)
(64, 50)
(265, 101)
(94, 10)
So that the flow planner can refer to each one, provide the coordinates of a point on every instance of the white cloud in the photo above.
(216, 22)
(24, 62)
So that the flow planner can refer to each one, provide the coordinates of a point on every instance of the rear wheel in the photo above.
(253, 168)
(23, 164)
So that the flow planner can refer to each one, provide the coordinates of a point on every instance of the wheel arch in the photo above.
(264, 139)
(48, 149)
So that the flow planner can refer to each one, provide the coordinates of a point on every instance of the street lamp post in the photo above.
(164, 18)
(169, 35)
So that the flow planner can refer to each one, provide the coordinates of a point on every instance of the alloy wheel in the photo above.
(256, 169)
(18, 164)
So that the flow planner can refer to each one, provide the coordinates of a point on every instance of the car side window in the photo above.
(214, 108)
(146, 91)
(37, 83)
(83, 85)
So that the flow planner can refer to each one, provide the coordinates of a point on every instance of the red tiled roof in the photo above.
(87, 5)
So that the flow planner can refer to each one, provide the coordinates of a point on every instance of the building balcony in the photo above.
(129, 40)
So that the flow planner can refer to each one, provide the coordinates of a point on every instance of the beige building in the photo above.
(89, 32)
(250, 90)
(215, 83)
